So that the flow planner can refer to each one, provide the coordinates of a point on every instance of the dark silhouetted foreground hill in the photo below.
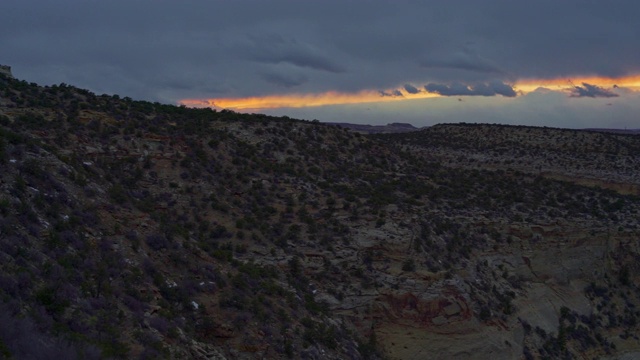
(131, 229)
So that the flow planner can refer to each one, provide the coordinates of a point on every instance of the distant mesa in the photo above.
(6, 70)
(378, 129)
(402, 125)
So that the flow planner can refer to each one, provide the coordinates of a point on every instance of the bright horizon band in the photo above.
(301, 100)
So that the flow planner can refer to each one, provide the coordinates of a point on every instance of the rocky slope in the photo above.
(377, 129)
(139, 230)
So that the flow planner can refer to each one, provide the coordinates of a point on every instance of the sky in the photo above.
(568, 63)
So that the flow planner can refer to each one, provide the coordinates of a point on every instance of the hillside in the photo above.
(377, 129)
(131, 229)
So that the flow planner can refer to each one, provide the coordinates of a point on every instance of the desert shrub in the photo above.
(49, 298)
(409, 265)
(118, 194)
(160, 323)
(219, 232)
(157, 241)
(21, 338)
(317, 332)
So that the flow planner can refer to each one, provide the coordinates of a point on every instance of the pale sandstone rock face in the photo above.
(434, 319)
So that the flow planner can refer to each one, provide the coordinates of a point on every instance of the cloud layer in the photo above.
(483, 89)
(163, 50)
(592, 91)
(466, 59)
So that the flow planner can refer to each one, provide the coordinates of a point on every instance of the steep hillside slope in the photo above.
(134, 229)
(593, 158)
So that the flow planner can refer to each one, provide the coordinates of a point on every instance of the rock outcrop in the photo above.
(6, 71)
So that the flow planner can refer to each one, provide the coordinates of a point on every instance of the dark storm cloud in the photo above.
(592, 91)
(466, 59)
(276, 49)
(392, 93)
(501, 88)
(285, 80)
(483, 89)
(411, 89)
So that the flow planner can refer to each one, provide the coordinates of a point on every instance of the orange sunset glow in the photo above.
(297, 100)
(300, 100)
(528, 85)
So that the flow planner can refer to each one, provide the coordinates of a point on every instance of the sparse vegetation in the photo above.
(136, 229)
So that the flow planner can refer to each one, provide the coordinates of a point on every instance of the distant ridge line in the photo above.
(617, 131)
(377, 129)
